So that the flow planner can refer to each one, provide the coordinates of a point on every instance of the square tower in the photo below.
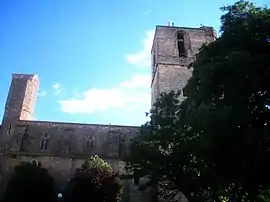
(21, 98)
(174, 48)
(20, 104)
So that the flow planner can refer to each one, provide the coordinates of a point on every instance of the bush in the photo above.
(95, 181)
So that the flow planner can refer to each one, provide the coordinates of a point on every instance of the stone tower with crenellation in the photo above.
(174, 48)
(20, 102)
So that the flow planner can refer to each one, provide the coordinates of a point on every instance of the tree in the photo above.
(164, 153)
(217, 141)
(30, 183)
(95, 181)
(230, 92)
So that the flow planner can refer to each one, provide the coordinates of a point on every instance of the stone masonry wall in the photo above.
(67, 148)
(30, 97)
(169, 80)
(165, 41)
(69, 139)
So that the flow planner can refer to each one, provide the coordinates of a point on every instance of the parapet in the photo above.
(26, 76)
(210, 31)
(169, 32)
(32, 77)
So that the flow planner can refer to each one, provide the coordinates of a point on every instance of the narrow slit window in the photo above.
(153, 60)
(9, 128)
(89, 143)
(44, 143)
(181, 44)
(17, 140)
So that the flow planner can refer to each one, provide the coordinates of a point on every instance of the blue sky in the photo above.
(91, 56)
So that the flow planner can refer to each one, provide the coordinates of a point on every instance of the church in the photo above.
(62, 147)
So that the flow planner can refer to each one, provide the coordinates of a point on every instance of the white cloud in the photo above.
(143, 58)
(42, 93)
(56, 88)
(132, 95)
(137, 81)
(147, 12)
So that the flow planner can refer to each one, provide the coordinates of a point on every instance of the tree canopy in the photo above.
(215, 144)
(30, 183)
(95, 181)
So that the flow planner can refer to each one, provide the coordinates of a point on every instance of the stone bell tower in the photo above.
(174, 48)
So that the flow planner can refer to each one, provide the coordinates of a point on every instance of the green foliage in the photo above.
(98, 163)
(30, 183)
(230, 93)
(215, 144)
(95, 181)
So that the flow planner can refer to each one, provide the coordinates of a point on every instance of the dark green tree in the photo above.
(230, 93)
(165, 154)
(30, 183)
(95, 181)
(215, 145)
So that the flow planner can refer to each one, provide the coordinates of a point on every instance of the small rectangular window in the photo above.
(181, 44)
